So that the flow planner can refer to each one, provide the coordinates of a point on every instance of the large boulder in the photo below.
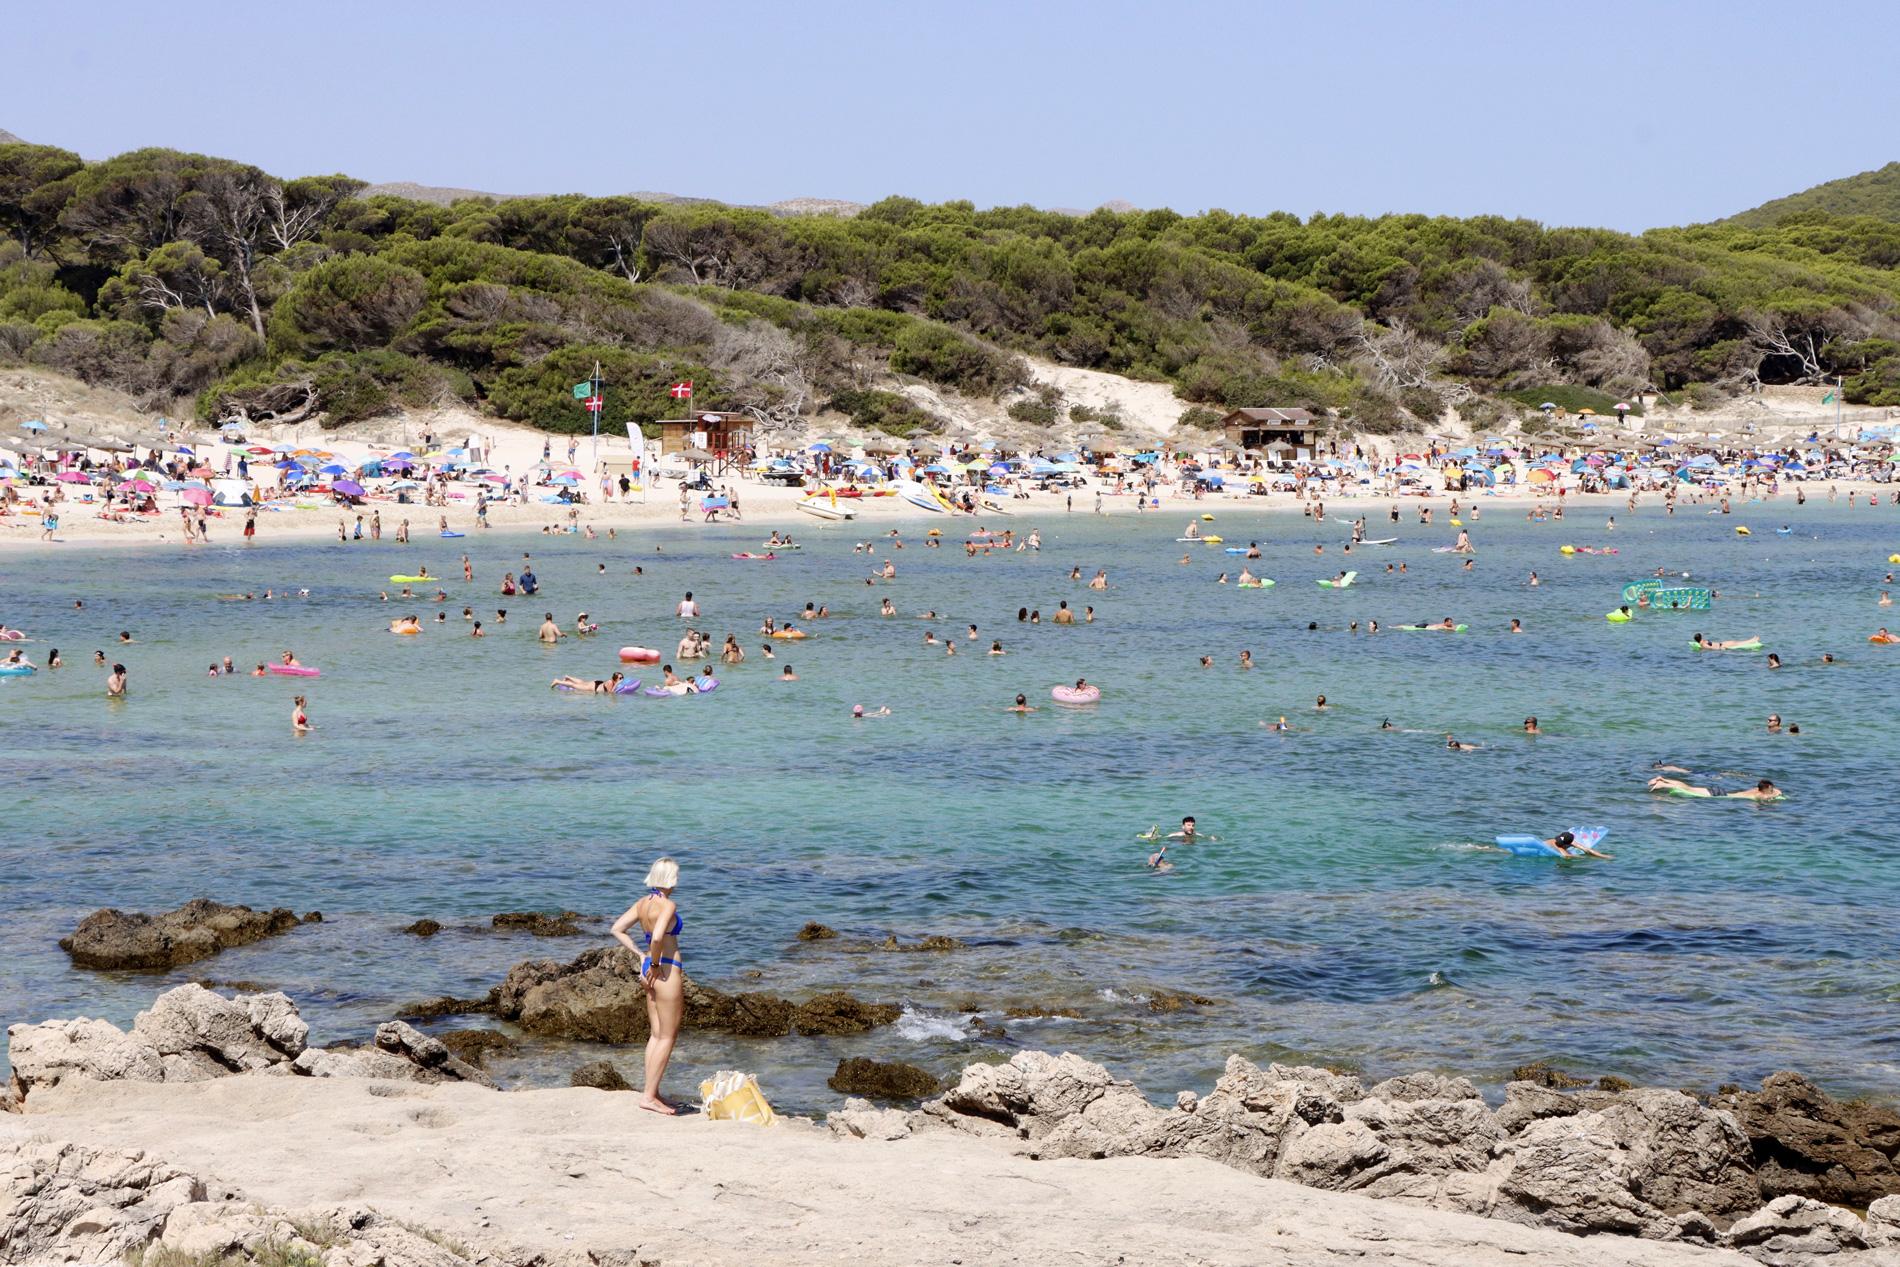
(189, 1034)
(1792, 1230)
(1806, 1143)
(1633, 1164)
(1434, 1151)
(599, 997)
(200, 928)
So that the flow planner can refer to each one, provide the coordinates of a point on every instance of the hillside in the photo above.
(193, 283)
(1875, 193)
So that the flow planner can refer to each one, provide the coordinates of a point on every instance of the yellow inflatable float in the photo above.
(1740, 531)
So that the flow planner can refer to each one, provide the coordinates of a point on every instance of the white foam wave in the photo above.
(921, 1027)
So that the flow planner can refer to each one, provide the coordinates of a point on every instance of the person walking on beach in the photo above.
(661, 972)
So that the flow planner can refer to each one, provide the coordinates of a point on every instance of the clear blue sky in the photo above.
(1608, 113)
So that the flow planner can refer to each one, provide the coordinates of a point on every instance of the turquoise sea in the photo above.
(1343, 915)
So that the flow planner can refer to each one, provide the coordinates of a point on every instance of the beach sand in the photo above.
(585, 1176)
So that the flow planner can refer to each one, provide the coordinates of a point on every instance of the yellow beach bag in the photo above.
(730, 1095)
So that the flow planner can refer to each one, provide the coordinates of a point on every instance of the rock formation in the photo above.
(64, 1202)
(197, 930)
(1806, 1143)
(1644, 1162)
(191, 1034)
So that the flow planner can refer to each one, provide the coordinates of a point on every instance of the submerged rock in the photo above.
(601, 1075)
(423, 928)
(539, 924)
(476, 1045)
(598, 997)
(114, 939)
(881, 1080)
(1806, 1143)
(447, 1005)
(814, 931)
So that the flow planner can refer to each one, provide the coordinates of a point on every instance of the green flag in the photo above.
(1828, 399)
(583, 390)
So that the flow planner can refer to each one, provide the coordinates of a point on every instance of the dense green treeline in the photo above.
(175, 276)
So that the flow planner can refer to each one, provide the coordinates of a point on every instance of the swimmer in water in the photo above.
(1452, 745)
(1531, 727)
(1566, 844)
(1764, 790)
(299, 719)
(1709, 644)
(1022, 705)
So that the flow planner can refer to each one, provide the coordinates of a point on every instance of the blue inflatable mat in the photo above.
(1526, 846)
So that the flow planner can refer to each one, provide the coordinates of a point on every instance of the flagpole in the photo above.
(595, 382)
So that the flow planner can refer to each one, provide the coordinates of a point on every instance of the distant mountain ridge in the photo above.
(445, 195)
(1875, 193)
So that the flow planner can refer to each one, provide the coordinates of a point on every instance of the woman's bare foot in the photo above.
(654, 1104)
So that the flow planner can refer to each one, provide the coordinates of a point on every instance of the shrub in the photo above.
(1038, 412)
(941, 355)
(882, 411)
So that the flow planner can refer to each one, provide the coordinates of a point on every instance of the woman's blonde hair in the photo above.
(663, 874)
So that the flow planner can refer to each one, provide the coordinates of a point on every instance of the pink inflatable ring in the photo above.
(639, 655)
(1076, 695)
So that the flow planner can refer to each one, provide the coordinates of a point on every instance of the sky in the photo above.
(1625, 115)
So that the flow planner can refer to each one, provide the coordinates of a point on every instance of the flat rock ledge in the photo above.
(1644, 1162)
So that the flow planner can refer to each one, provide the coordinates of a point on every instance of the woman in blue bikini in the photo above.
(661, 972)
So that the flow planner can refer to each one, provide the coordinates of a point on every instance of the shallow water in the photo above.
(1342, 916)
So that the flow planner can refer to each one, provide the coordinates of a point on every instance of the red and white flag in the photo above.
(682, 391)
(593, 404)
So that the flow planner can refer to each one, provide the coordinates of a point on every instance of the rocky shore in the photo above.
(97, 1159)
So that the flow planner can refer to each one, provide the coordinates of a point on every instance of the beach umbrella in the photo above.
(936, 468)
(33, 424)
(564, 479)
(74, 477)
(349, 488)
(1548, 405)
(196, 497)
(820, 447)
(258, 450)
(139, 486)
(280, 448)
(334, 469)
(405, 484)
(288, 464)
(493, 478)
(402, 453)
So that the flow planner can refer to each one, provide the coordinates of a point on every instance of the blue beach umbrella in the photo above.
(33, 424)
(819, 447)
(564, 479)
(334, 469)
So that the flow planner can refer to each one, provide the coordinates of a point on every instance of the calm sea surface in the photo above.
(1344, 914)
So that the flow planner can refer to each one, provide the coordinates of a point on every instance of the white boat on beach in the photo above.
(918, 495)
(825, 510)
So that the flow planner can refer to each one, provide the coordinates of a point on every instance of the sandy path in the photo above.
(566, 1171)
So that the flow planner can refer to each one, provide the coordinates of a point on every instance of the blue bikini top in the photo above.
(646, 938)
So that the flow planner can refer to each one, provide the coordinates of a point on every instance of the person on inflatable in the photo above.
(1567, 845)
